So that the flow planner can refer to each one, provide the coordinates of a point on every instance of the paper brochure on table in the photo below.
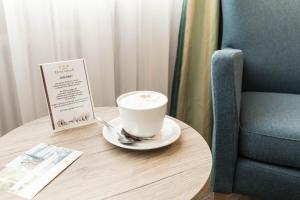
(32, 171)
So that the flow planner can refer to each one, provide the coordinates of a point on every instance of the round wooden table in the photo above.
(179, 171)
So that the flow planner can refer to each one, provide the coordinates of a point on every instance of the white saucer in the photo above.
(170, 133)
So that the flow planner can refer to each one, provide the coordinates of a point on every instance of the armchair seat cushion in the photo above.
(270, 128)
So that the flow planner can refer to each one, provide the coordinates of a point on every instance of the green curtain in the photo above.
(178, 62)
(191, 100)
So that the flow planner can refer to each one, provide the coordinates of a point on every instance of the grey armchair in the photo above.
(256, 100)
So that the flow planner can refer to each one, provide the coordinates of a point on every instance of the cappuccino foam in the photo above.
(142, 100)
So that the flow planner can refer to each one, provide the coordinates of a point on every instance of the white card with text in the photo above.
(68, 94)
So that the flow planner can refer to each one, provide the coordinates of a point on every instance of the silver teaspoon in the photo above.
(122, 139)
(136, 138)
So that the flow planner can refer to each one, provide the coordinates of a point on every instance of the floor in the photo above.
(215, 196)
(206, 194)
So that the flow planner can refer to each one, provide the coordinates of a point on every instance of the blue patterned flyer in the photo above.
(30, 172)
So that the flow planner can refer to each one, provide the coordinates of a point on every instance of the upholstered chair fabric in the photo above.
(268, 33)
(256, 100)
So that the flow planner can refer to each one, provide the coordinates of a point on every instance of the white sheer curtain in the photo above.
(128, 45)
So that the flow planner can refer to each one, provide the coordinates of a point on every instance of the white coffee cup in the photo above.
(142, 112)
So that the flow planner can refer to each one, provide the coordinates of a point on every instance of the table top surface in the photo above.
(178, 171)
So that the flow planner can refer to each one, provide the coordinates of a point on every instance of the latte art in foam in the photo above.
(143, 100)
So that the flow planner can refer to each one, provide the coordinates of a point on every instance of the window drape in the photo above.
(191, 95)
(128, 45)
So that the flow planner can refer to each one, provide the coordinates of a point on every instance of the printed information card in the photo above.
(30, 172)
(68, 94)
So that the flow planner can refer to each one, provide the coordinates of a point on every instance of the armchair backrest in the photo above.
(268, 33)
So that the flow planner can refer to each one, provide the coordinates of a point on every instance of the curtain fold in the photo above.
(193, 101)
(178, 61)
(127, 45)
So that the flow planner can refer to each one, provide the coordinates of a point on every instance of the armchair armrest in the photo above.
(227, 70)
